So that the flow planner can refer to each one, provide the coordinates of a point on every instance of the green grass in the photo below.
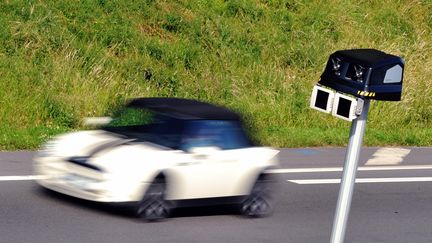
(61, 61)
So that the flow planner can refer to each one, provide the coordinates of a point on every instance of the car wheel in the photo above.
(259, 203)
(153, 206)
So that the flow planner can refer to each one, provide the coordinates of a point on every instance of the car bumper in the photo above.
(58, 175)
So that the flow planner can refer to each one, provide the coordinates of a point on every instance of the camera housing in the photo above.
(365, 73)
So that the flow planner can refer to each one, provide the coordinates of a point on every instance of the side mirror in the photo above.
(96, 121)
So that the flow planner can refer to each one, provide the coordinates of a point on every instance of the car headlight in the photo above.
(83, 182)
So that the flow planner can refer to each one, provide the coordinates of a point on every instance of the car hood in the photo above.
(82, 143)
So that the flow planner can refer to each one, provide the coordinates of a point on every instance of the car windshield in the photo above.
(223, 134)
(175, 133)
(145, 125)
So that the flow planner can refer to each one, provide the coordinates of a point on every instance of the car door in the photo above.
(211, 163)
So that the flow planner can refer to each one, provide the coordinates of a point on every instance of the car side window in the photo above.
(214, 133)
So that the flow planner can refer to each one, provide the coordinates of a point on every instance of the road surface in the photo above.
(392, 202)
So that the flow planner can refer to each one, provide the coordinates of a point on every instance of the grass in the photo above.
(61, 61)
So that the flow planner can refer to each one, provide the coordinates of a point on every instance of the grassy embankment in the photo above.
(61, 61)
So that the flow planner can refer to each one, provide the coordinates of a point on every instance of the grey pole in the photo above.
(349, 174)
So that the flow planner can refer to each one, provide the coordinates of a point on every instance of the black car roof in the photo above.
(184, 108)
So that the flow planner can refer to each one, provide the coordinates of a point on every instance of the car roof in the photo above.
(184, 108)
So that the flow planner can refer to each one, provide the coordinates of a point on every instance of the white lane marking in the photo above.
(363, 180)
(23, 178)
(388, 156)
(273, 171)
(338, 169)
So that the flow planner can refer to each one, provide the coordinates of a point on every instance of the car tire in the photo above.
(153, 206)
(259, 203)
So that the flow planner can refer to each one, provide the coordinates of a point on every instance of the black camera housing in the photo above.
(365, 73)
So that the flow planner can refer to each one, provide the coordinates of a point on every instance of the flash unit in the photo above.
(344, 107)
(339, 105)
(322, 99)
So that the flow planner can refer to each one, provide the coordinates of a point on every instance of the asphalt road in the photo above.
(394, 210)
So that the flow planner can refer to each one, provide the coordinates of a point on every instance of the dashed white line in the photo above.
(388, 156)
(338, 169)
(363, 180)
(273, 171)
(23, 178)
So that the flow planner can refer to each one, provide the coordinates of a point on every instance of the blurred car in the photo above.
(161, 153)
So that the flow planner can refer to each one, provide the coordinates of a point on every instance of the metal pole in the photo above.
(349, 174)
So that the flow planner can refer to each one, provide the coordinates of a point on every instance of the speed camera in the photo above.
(365, 73)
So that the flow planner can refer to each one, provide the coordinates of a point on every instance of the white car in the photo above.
(161, 153)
